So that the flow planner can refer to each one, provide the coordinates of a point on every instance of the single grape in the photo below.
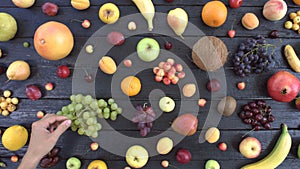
(78, 107)
(87, 99)
(141, 125)
(143, 132)
(73, 128)
(95, 135)
(80, 131)
(65, 110)
(71, 108)
(113, 106)
(78, 98)
(101, 103)
(72, 97)
(106, 115)
(94, 105)
(98, 126)
(111, 101)
(119, 110)
(91, 128)
(86, 115)
(106, 110)
(76, 122)
(60, 113)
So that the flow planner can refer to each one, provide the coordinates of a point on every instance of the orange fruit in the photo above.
(131, 85)
(297, 2)
(214, 13)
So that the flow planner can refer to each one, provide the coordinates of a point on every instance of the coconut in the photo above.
(209, 53)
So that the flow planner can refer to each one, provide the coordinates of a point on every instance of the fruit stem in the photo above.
(284, 128)
(248, 133)
(76, 20)
(181, 36)
(173, 166)
(232, 24)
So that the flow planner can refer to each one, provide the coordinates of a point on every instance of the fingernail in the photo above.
(68, 123)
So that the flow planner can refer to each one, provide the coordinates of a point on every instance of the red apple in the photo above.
(183, 156)
(185, 124)
(283, 86)
(115, 38)
(250, 147)
(235, 3)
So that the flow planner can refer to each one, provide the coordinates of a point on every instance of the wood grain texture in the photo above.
(232, 128)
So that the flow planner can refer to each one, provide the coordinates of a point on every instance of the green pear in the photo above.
(8, 27)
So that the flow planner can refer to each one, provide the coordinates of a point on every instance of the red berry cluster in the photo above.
(168, 72)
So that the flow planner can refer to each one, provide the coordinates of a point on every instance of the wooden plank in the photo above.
(28, 26)
(156, 2)
(287, 164)
(80, 146)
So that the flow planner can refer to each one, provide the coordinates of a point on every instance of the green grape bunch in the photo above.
(84, 112)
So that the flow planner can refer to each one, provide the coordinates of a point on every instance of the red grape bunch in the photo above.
(144, 118)
(168, 72)
(258, 114)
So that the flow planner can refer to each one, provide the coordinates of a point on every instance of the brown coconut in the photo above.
(209, 53)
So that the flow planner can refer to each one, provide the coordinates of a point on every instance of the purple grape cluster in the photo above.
(257, 114)
(144, 118)
(253, 56)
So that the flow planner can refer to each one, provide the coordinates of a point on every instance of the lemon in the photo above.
(14, 138)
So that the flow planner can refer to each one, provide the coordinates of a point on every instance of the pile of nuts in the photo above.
(51, 159)
(294, 22)
(8, 104)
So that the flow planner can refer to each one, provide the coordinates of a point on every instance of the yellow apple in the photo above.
(99, 164)
(137, 156)
(109, 13)
(23, 3)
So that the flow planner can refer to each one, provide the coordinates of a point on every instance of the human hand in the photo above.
(45, 133)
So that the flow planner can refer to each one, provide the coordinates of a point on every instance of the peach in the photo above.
(275, 10)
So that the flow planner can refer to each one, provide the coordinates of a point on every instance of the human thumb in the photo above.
(62, 128)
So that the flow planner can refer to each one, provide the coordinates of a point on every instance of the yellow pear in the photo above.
(178, 20)
(80, 4)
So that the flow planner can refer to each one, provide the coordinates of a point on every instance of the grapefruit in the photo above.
(53, 40)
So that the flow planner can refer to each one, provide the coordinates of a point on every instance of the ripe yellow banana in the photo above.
(292, 58)
(278, 154)
(146, 8)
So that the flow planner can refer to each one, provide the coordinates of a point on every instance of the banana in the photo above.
(146, 8)
(292, 58)
(277, 155)
(298, 151)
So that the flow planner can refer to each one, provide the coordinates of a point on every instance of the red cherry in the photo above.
(235, 3)
(86, 23)
(166, 81)
(183, 156)
(168, 45)
(231, 33)
(63, 71)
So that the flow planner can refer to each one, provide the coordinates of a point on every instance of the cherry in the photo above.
(231, 33)
(63, 71)
(183, 156)
(235, 3)
(274, 34)
(168, 45)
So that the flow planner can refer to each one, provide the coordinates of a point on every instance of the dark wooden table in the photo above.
(232, 128)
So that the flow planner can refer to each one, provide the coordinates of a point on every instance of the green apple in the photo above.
(137, 156)
(8, 27)
(166, 104)
(212, 164)
(73, 163)
(148, 49)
